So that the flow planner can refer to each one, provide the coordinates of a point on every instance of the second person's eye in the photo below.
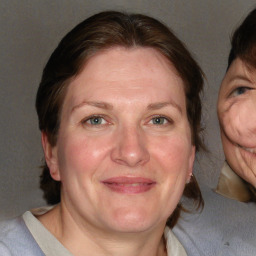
(240, 90)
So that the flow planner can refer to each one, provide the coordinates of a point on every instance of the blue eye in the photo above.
(95, 120)
(240, 90)
(159, 120)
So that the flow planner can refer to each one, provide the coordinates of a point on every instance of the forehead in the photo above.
(119, 59)
(127, 69)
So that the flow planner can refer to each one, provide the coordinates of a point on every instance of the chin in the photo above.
(132, 221)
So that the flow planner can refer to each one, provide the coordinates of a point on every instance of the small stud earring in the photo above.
(189, 179)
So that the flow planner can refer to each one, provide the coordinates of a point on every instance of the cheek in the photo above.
(230, 151)
(174, 162)
(239, 123)
(81, 156)
(228, 147)
(173, 154)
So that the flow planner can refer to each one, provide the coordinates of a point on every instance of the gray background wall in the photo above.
(31, 29)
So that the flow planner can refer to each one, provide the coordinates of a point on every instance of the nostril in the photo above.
(130, 151)
(130, 158)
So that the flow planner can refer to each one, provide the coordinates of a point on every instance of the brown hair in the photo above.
(243, 43)
(99, 32)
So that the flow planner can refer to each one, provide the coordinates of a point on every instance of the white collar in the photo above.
(232, 186)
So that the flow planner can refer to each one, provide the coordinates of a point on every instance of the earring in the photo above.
(189, 179)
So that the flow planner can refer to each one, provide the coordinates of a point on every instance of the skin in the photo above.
(237, 117)
(123, 116)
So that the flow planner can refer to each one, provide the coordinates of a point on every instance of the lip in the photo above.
(250, 150)
(129, 185)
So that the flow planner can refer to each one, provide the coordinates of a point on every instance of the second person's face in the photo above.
(124, 151)
(237, 116)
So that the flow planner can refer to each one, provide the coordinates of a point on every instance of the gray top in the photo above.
(15, 239)
(224, 228)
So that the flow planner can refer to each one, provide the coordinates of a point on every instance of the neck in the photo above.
(81, 238)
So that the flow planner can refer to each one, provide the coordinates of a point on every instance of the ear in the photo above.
(51, 158)
(191, 163)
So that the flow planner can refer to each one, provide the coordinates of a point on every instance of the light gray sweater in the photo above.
(225, 227)
(15, 239)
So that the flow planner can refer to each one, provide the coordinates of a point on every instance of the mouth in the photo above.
(129, 185)
(250, 150)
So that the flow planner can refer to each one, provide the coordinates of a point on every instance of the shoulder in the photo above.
(224, 227)
(16, 240)
(4, 251)
(10, 228)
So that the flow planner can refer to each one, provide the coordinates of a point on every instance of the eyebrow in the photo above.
(107, 106)
(102, 105)
(159, 105)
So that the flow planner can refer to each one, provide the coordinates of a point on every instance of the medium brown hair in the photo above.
(103, 31)
(243, 42)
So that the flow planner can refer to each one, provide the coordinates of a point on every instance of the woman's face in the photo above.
(124, 152)
(237, 116)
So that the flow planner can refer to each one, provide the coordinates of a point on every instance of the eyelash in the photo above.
(90, 118)
(163, 120)
(236, 93)
(169, 121)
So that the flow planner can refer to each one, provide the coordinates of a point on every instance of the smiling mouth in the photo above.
(129, 185)
(250, 150)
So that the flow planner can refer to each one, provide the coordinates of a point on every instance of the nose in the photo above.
(130, 147)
